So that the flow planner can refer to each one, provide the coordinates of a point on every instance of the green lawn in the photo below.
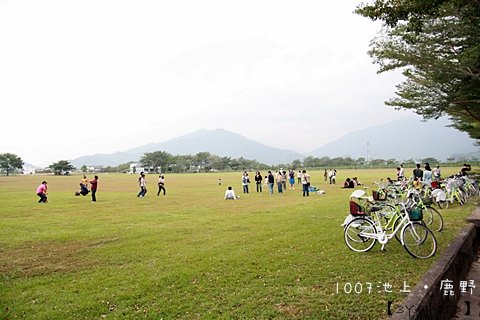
(193, 255)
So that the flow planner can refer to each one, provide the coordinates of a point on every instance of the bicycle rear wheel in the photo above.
(433, 219)
(359, 235)
(419, 241)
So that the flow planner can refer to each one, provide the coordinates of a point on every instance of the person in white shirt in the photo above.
(230, 194)
(161, 185)
(143, 185)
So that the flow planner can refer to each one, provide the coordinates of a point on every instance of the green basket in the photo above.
(416, 214)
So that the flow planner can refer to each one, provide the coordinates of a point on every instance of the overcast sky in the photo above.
(84, 77)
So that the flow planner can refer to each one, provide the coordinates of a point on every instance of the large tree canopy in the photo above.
(10, 162)
(61, 167)
(436, 43)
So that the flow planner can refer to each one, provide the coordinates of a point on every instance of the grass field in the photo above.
(193, 255)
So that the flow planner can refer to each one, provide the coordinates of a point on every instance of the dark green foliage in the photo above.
(436, 44)
(62, 167)
(10, 162)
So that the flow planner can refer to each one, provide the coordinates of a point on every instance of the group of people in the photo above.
(84, 187)
(280, 178)
(351, 183)
(142, 182)
(330, 175)
(421, 176)
(42, 189)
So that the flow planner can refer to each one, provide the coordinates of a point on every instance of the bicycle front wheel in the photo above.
(360, 235)
(419, 241)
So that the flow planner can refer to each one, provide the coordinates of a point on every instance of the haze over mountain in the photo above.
(401, 140)
(219, 142)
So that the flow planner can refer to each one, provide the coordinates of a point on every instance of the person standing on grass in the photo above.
(418, 173)
(258, 181)
(325, 176)
(291, 179)
(93, 188)
(299, 177)
(305, 183)
(271, 181)
(42, 192)
(427, 176)
(245, 181)
(330, 175)
(400, 173)
(85, 181)
(161, 185)
(279, 179)
(143, 185)
(437, 175)
(284, 180)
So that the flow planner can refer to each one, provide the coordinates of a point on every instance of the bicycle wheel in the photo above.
(433, 219)
(442, 204)
(359, 235)
(419, 241)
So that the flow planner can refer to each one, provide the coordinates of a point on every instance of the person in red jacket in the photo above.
(93, 188)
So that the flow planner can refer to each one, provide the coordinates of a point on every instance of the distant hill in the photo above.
(401, 140)
(219, 142)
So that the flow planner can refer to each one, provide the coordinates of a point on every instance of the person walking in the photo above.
(42, 192)
(161, 185)
(93, 188)
(305, 183)
(142, 182)
(258, 181)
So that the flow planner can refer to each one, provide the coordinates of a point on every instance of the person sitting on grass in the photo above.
(348, 183)
(356, 182)
(230, 194)
(83, 189)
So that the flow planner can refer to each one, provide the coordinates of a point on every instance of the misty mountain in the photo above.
(219, 142)
(401, 140)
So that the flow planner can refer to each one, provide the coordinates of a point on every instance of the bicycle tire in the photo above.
(442, 204)
(353, 237)
(419, 241)
(436, 222)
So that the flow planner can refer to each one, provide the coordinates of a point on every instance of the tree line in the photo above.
(207, 162)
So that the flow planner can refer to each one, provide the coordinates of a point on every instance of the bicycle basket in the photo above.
(379, 196)
(415, 214)
(427, 201)
(356, 209)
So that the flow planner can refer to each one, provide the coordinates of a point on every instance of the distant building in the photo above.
(28, 169)
(137, 168)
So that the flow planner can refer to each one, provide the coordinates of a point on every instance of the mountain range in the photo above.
(401, 140)
(219, 142)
